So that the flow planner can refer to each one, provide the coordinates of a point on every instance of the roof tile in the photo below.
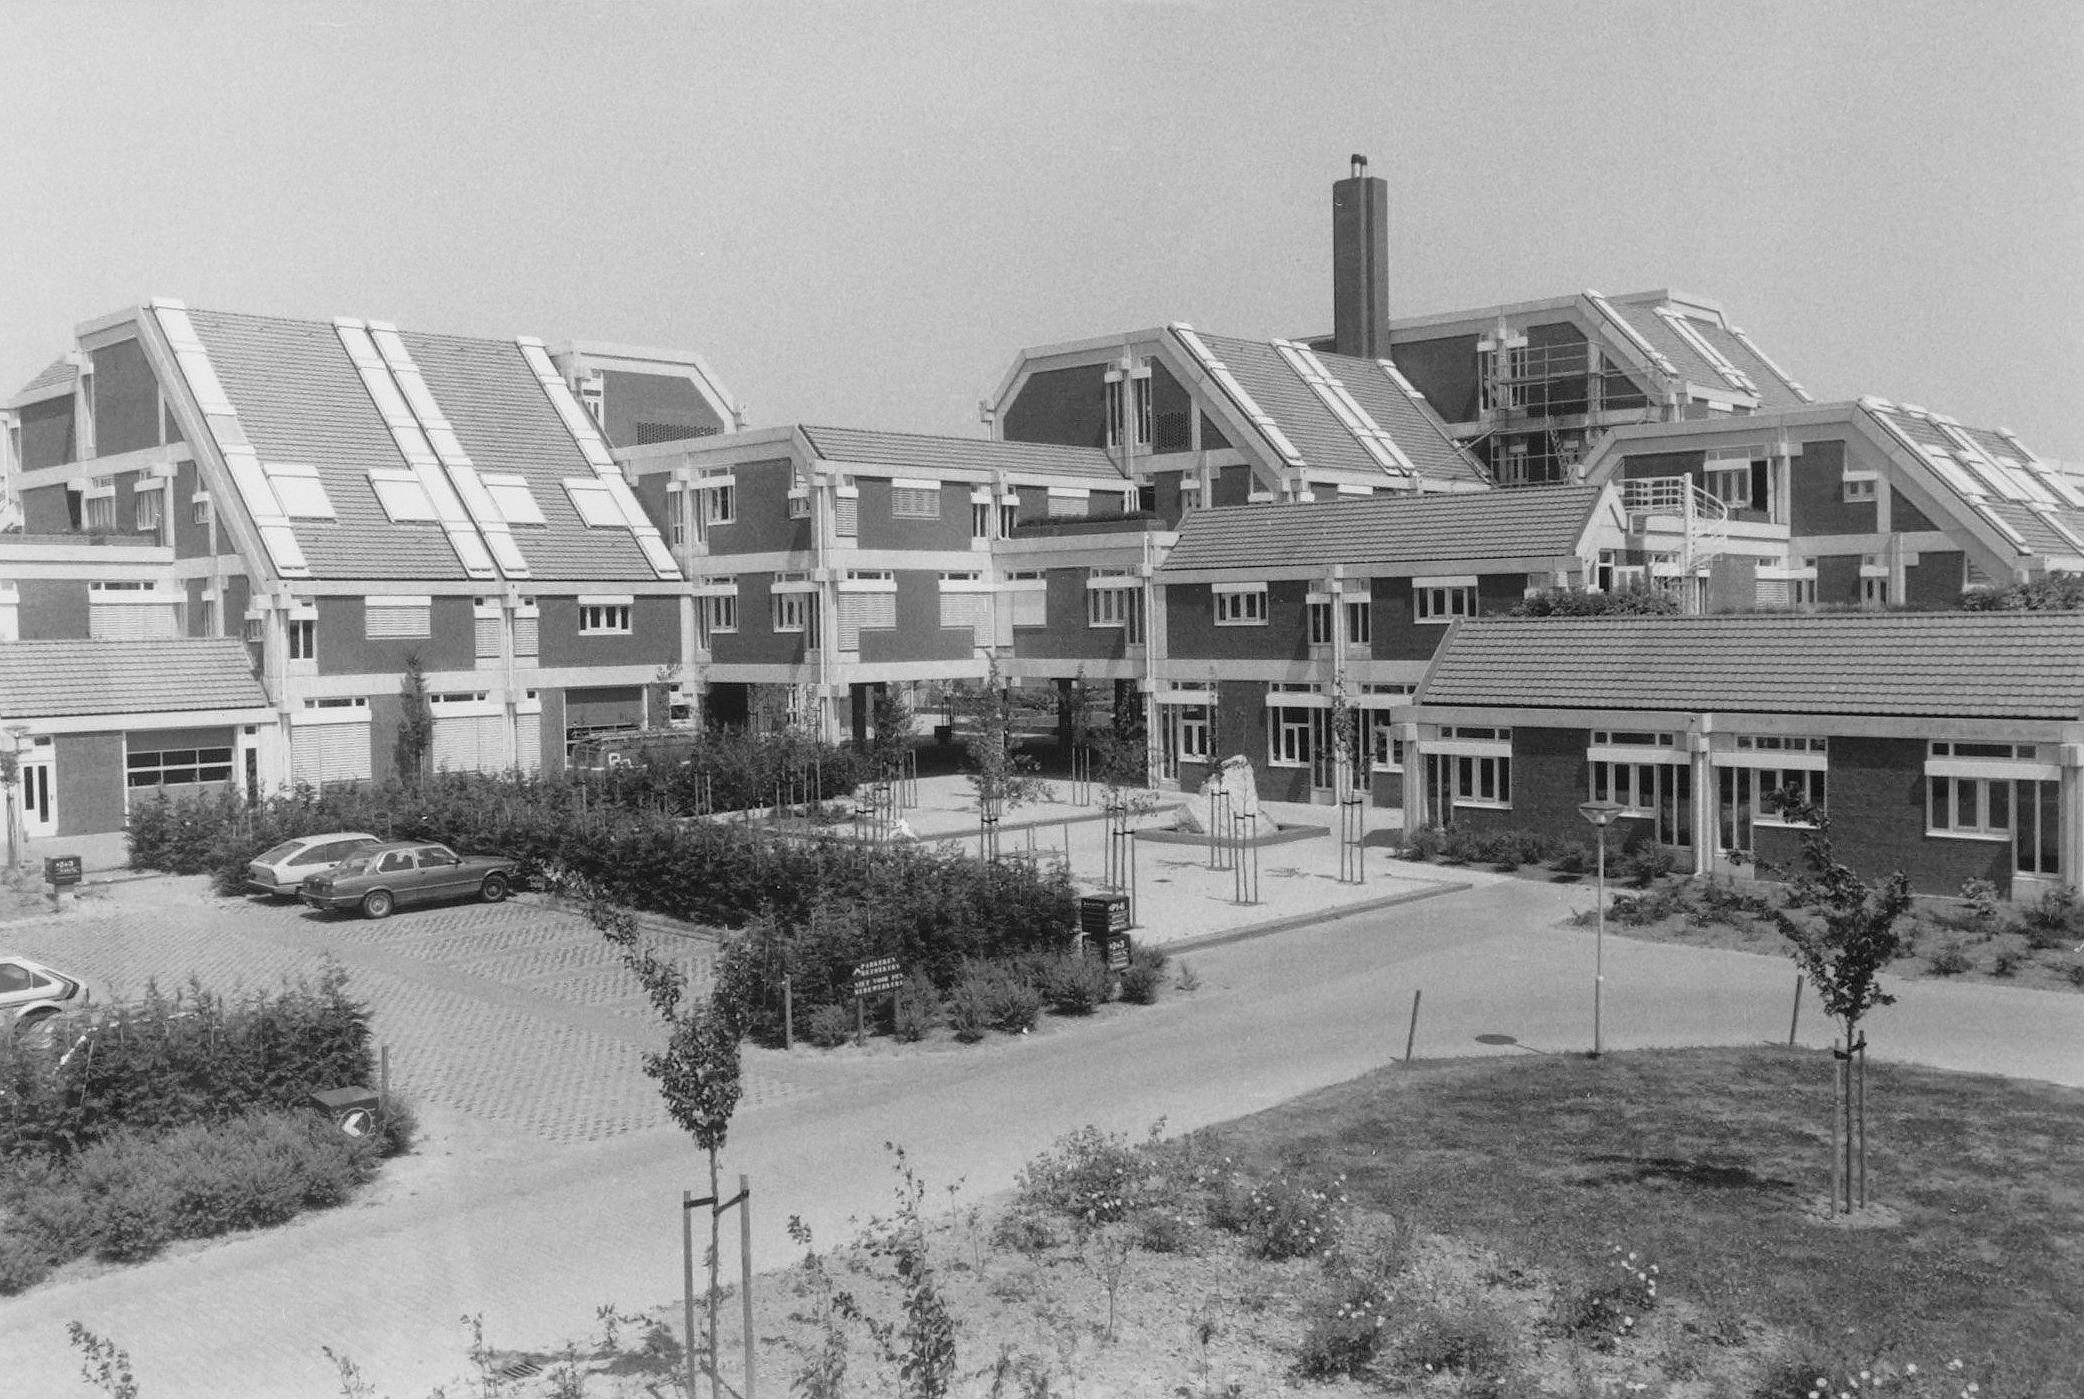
(50, 679)
(1387, 530)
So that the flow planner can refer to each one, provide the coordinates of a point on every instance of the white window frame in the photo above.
(790, 611)
(98, 510)
(147, 505)
(300, 638)
(1321, 618)
(1860, 488)
(1439, 601)
(1195, 737)
(1288, 729)
(605, 616)
(199, 508)
(1720, 473)
(719, 502)
(1239, 604)
(1359, 616)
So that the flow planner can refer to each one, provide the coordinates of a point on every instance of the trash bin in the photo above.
(353, 1110)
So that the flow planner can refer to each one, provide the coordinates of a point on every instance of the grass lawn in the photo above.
(1485, 1202)
(1715, 1163)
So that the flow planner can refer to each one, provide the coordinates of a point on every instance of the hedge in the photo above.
(167, 1061)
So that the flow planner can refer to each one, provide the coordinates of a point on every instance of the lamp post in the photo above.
(1601, 814)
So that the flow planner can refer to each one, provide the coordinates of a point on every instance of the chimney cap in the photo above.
(1360, 166)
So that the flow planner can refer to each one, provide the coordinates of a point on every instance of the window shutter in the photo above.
(395, 621)
(1031, 607)
(475, 743)
(972, 610)
(330, 753)
(852, 606)
(847, 518)
(488, 637)
(526, 631)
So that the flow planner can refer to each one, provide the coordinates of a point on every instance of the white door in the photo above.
(38, 797)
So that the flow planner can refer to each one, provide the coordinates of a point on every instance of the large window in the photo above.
(1321, 621)
(1970, 806)
(1360, 623)
(303, 638)
(720, 614)
(1288, 736)
(1660, 792)
(168, 767)
(791, 611)
(1193, 733)
(719, 503)
(1485, 781)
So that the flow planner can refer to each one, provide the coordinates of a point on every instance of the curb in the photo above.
(1306, 920)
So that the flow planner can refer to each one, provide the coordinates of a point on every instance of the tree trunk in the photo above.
(715, 1242)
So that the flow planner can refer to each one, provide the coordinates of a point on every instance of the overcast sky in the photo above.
(858, 213)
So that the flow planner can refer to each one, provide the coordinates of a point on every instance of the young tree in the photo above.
(1000, 776)
(698, 1071)
(415, 724)
(1841, 931)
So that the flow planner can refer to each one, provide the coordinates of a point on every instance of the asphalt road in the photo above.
(503, 1215)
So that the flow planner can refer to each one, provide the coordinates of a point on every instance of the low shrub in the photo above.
(1425, 843)
(1088, 1175)
(1344, 1330)
(2006, 962)
(1646, 864)
(132, 1193)
(1650, 906)
(1948, 959)
(1145, 974)
(1164, 1229)
(828, 1026)
(1574, 859)
(1605, 1309)
(2053, 921)
(1288, 1218)
(1076, 983)
(1469, 1339)
(1015, 1005)
(916, 1007)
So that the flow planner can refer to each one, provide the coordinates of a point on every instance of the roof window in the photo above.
(298, 490)
(402, 496)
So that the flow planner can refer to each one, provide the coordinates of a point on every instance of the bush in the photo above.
(1948, 960)
(1425, 843)
(1650, 906)
(918, 1005)
(1344, 1330)
(1015, 1005)
(1471, 1339)
(1288, 1218)
(168, 1061)
(828, 1026)
(1606, 1309)
(1145, 975)
(1088, 1175)
(1076, 983)
(1646, 864)
(132, 1193)
(1164, 1229)
(2053, 921)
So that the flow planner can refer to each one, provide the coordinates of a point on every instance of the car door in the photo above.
(441, 874)
(398, 872)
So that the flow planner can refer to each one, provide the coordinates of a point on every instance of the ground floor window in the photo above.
(1473, 781)
(1288, 737)
(1745, 795)
(1661, 793)
(2025, 809)
(168, 767)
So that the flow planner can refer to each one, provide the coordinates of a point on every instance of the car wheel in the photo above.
(377, 904)
(494, 888)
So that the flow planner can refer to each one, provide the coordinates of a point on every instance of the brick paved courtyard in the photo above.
(516, 1016)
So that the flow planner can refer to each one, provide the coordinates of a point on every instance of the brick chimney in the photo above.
(1359, 258)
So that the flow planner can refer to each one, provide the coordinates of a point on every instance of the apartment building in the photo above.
(315, 507)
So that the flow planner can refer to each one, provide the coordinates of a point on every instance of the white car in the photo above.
(283, 869)
(31, 993)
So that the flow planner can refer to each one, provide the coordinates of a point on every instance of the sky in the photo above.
(857, 214)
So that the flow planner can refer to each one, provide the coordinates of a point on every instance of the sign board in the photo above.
(1103, 913)
(878, 975)
(1113, 948)
(61, 870)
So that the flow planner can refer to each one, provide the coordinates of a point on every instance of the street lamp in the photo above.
(1601, 814)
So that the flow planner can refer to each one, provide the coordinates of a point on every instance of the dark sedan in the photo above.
(404, 872)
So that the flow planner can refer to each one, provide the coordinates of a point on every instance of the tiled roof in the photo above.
(300, 399)
(59, 371)
(1774, 388)
(1384, 530)
(52, 679)
(1642, 317)
(911, 449)
(2040, 509)
(1993, 665)
(1317, 432)
(1407, 417)
(507, 425)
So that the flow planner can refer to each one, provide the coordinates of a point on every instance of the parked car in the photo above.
(402, 872)
(283, 869)
(31, 993)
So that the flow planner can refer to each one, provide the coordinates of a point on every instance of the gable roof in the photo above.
(1657, 318)
(922, 451)
(2016, 665)
(1387, 530)
(59, 374)
(1991, 475)
(297, 397)
(58, 679)
(1384, 428)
